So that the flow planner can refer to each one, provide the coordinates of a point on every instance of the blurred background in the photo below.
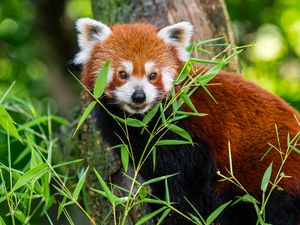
(37, 43)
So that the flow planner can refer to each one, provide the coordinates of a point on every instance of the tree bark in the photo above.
(210, 19)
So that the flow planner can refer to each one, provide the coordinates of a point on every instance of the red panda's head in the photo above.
(143, 60)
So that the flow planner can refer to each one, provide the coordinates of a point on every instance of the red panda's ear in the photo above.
(179, 35)
(89, 32)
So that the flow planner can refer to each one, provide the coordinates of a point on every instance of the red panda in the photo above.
(144, 62)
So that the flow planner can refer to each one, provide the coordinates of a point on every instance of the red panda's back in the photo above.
(246, 116)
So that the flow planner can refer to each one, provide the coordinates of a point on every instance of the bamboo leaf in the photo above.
(216, 213)
(183, 75)
(180, 131)
(43, 119)
(61, 207)
(150, 216)
(248, 198)
(295, 149)
(209, 41)
(167, 193)
(101, 80)
(134, 122)
(157, 179)
(149, 116)
(163, 117)
(85, 115)
(32, 174)
(163, 216)
(2, 222)
(266, 178)
(172, 142)
(110, 196)
(153, 201)
(4, 96)
(154, 158)
(7, 123)
(209, 75)
(188, 101)
(80, 184)
(125, 157)
(195, 60)
(143, 192)
(191, 113)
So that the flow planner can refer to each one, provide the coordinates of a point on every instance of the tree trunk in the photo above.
(210, 19)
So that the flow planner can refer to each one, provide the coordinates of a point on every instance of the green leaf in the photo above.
(183, 75)
(209, 41)
(167, 194)
(216, 213)
(233, 55)
(4, 96)
(149, 116)
(163, 117)
(188, 101)
(110, 196)
(7, 123)
(191, 113)
(163, 216)
(209, 75)
(266, 178)
(295, 149)
(143, 192)
(134, 122)
(61, 207)
(154, 158)
(195, 218)
(181, 132)
(150, 216)
(46, 188)
(80, 185)
(153, 201)
(2, 222)
(85, 115)
(172, 142)
(248, 198)
(22, 155)
(101, 80)
(32, 174)
(157, 179)
(206, 61)
(43, 119)
(125, 157)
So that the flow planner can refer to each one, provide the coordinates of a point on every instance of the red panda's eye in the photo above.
(123, 75)
(152, 76)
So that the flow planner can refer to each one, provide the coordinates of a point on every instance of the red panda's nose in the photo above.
(138, 96)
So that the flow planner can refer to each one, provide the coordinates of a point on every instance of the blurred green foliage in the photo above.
(274, 61)
(19, 50)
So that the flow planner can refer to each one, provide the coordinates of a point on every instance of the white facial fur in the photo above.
(123, 94)
(128, 66)
(89, 32)
(168, 74)
(179, 35)
(149, 67)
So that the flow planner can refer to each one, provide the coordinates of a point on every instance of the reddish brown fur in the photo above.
(119, 47)
(246, 116)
